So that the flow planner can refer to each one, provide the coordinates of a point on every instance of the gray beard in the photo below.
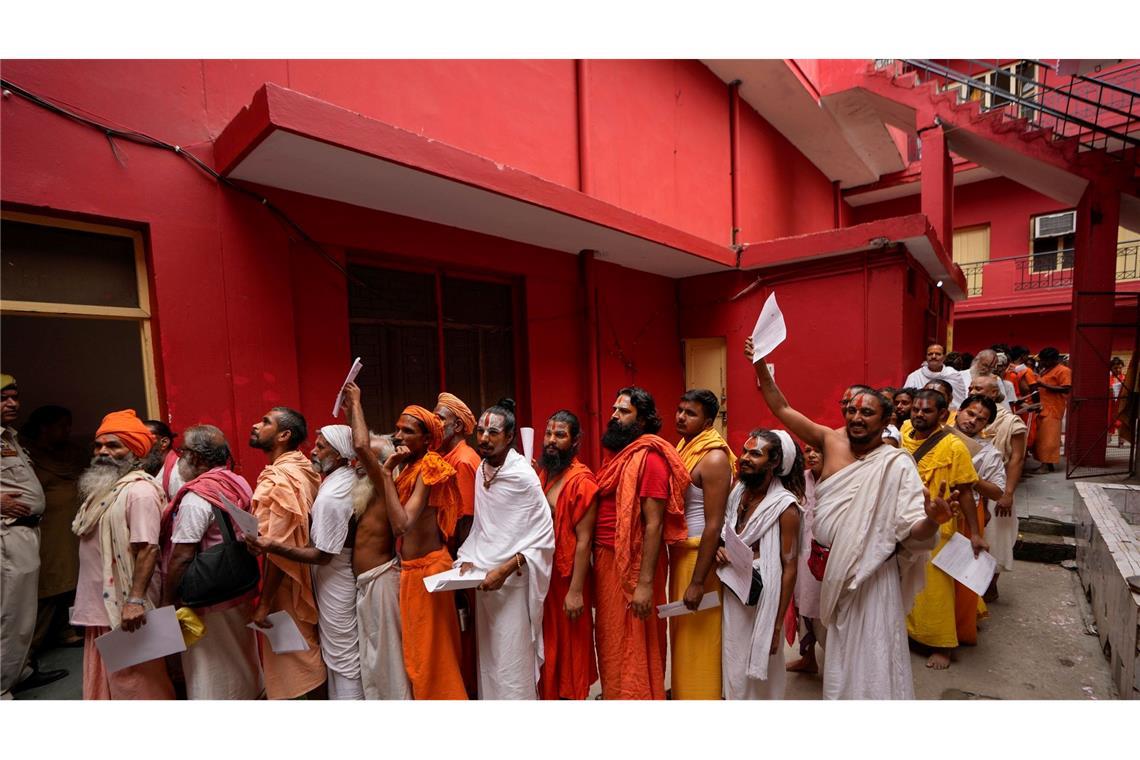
(362, 493)
(98, 479)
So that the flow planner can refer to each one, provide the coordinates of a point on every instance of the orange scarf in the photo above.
(439, 476)
(574, 501)
(620, 476)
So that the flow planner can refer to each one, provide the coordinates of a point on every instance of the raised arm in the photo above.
(361, 439)
(402, 516)
(796, 423)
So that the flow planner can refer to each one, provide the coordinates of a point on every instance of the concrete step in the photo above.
(1037, 547)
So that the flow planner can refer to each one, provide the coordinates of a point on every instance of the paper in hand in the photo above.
(245, 522)
(769, 331)
(452, 580)
(527, 436)
(162, 635)
(673, 609)
(737, 574)
(353, 371)
(958, 561)
(284, 636)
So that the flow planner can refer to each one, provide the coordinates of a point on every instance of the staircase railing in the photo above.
(1101, 115)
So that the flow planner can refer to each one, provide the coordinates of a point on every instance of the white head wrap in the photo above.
(340, 438)
(787, 452)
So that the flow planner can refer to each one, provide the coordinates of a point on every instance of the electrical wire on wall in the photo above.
(113, 133)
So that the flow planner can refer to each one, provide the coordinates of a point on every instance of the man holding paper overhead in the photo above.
(764, 515)
(423, 506)
(870, 513)
(282, 502)
(569, 665)
(118, 528)
(695, 639)
(512, 539)
(641, 509)
(223, 664)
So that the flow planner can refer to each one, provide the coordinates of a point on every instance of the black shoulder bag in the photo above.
(220, 573)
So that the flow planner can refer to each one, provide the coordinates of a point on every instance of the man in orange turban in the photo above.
(458, 424)
(118, 526)
(423, 504)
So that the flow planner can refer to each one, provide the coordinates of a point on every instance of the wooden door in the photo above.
(705, 368)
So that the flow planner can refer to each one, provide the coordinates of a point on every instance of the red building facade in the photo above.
(552, 230)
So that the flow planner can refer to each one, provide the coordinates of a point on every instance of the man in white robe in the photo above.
(330, 553)
(870, 512)
(512, 539)
(935, 369)
(764, 513)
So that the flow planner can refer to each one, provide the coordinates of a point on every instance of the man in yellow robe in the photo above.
(945, 466)
(695, 639)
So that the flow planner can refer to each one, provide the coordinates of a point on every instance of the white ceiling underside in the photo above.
(303, 165)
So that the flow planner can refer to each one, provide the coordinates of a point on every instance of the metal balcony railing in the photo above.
(1053, 269)
(1101, 114)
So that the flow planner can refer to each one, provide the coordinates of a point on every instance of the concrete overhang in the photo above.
(853, 150)
(288, 140)
(913, 231)
(909, 183)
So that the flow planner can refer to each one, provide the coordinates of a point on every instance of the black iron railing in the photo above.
(973, 272)
(1128, 261)
(1101, 114)
(1051, 269)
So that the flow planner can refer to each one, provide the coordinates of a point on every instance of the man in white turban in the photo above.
(330, 553)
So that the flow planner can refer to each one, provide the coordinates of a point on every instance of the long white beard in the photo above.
(98, 479)
(362, 493)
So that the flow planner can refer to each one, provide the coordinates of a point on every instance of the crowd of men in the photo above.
(571, 564)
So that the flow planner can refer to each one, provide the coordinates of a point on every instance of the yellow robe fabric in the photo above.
(931, 621)
(695, 639)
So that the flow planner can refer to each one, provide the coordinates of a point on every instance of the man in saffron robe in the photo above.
(458, 424)
(118, 529)
(423, 506)
(695, 638)
(871, 512)
(570, 666)
(1054, 382)
(641, 510)
(282, 502)
(944, 466)
(224, 663)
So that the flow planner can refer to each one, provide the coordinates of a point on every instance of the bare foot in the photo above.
(803, 665)
(939, 660)
(991, 594)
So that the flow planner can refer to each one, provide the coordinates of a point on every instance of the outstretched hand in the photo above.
(351, 396)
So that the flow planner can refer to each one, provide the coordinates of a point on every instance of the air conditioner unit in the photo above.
(1055, 225)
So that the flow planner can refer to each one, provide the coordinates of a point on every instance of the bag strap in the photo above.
(929, 444)
(223, 521)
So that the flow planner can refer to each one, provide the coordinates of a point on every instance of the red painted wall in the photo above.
(851, 336)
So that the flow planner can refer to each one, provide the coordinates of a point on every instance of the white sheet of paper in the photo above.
(737, 574)
(672, 609)
(242, 519)
(957, 560)
(769, 331)
(451, 580)
(353, 371)
(527, 436)
(284, 636)
(162, 635)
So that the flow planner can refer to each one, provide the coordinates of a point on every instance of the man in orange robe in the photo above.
(569, 668)
(641, 508)
(423, 506)
(282, 501)
(1054, 382)
(458, 424)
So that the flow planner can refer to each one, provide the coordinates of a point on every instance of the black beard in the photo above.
(618, 436)
(556, 463)
(752, 480)
(152, 462)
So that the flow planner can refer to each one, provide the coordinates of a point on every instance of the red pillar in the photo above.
(938, 184)
(1094, 281)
